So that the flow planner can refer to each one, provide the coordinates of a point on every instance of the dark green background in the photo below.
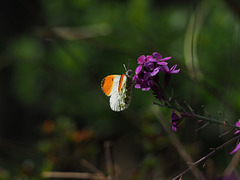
(54, 55)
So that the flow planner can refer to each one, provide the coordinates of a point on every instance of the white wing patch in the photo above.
(120, 101)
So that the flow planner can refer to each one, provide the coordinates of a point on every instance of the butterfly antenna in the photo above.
(125, 67)
(128, 63)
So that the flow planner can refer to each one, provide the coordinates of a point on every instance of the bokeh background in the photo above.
(53, 113)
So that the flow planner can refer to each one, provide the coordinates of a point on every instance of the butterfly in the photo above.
(119, 88)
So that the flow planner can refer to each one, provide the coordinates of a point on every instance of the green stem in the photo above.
(175, 105)
(178, 107)
(212, 120)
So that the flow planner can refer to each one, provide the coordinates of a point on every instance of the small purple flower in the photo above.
(159, 57)
(238, 125)
(144, 83)
(160, 60)
(175, 120)
(236, 149)
(143, 80)
(171, 70)
(151, 68)
(236, 132)
(141, 59)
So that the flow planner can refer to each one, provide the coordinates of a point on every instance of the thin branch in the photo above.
(224, 134)
(96, 175)
(208, 155)
(178, 145)
(207, 118)
(205, 111)
(212, 120)
(189, 107)
(73, 175)
(203, 126)
(90, 167)
(109, 159)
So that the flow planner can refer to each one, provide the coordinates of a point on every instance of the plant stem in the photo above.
(212, 120)
(208, 155)
(178, 107)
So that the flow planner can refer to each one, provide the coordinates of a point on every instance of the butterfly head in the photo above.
(129, 73)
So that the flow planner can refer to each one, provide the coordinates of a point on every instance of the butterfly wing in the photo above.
(119, 90)
(110, 83)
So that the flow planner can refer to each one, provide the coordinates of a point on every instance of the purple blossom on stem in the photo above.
(236, 132)
(148, 69)
(171, 70)
(160, 59)
(236, 148)
(175, 120)
(237, 125)
(168, 73)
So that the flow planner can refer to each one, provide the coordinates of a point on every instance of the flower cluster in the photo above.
(236, 132)
(149, 66)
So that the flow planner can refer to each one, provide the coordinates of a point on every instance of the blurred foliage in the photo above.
(54, 55)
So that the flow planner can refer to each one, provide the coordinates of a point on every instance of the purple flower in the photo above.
(236, 149)
(171, 70)
(236, 132)
(148, 69)
(175, 120)
(143, 81)
(160, 59)
(238, 125)
(142, 59)
(151, 68)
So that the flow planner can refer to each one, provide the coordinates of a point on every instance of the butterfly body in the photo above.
(118, 88)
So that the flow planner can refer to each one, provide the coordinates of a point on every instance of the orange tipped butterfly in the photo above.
(119, 89)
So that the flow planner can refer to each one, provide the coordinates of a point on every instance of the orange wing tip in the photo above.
(107, 84)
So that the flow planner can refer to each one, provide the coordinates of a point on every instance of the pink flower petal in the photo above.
(157, 55)
(162, 63)
(238, 131)
(166, 58)
(174, 128)
(237, 123)
(173, 68)
(175, 71)
(146, 89)
(137, 86)
(138, 69)
(141, 59)
(236, 149)
(166, 68)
